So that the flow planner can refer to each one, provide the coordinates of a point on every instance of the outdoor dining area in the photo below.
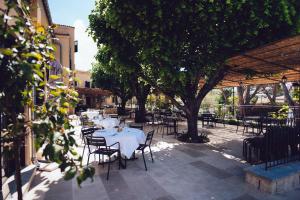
(166, 100)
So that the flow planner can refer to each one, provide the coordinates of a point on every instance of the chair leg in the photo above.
(82, 153)
(107, 176)
(119, 155)
(151, 154)
(88, 159)
(144, 160)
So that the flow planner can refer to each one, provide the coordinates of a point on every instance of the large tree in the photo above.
(181, 47)
(118, 83)
(122, 79)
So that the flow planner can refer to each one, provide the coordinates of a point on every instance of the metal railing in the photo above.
(282, 145)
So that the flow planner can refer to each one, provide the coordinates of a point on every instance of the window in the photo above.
(87, 84)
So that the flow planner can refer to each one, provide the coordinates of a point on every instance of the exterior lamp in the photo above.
(76, 46)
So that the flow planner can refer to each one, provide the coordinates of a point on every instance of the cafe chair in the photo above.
(137, 126)
(147, 143)
(167, 124)
(103, 149)
(85, 132)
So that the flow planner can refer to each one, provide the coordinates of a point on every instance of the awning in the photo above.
(265, 65)
(93, 91)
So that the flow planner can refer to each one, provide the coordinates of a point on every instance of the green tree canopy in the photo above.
(119, 84)
(176, 44)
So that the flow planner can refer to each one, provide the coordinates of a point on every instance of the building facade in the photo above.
(90, 97)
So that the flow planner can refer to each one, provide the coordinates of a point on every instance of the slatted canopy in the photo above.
(93, 91)
(265, 65)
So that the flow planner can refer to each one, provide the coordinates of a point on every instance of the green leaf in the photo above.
(70, 174)
(6, 51)
(54, 77)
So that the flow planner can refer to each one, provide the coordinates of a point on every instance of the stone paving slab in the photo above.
(212, 170)
(245, 197)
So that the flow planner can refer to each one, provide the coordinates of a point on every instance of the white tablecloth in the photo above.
(92, 114)
(129, 139)
(107, 123)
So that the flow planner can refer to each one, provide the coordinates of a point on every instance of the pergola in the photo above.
(93, 91)
(268, 64)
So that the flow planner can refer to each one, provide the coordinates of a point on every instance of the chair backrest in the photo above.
(149, 138)
(114, 116)
(137, 126)
(96, 141)
(87, 131)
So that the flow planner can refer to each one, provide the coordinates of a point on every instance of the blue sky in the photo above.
(75, 13)
(68, 11)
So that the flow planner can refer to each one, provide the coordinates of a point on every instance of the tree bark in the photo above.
(122, 108)
(141, 111)
(18, 179)
(240, 92)
(192, 122)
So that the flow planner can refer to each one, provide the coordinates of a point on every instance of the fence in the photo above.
(282, 145)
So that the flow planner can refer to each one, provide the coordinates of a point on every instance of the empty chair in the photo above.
(103, 149)
(168, 124)
(137, 126)
(87, 131)
(147, 143)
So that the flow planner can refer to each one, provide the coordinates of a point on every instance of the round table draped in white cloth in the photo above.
(107, 123)
(129, 139)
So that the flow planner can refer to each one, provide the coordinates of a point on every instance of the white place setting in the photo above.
(107, 123)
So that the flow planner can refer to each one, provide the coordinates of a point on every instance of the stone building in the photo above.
(91, 97)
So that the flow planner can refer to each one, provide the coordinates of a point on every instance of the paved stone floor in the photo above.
(210, 171)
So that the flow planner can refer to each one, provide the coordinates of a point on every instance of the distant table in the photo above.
(209, 118)
(107, 123)
(91, 114)
(175, 120)
(129, 139)
(258, 120)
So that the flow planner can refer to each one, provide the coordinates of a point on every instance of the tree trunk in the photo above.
(192, 122)
(240, 92)
(141, 111)
(122, 108)
(18, 179)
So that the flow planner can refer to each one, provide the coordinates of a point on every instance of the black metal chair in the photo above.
(114, 116)
(85, 132)
(168, 124)
(209, 119)
(104, 150)
(137, 126)
(147, 143)
(220, 119)
(253, 149)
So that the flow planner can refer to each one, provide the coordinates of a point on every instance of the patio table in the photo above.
(107, 123)
(258, 120)
(129, 139)
(175, 120)
(91, 114)
(209, 119)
